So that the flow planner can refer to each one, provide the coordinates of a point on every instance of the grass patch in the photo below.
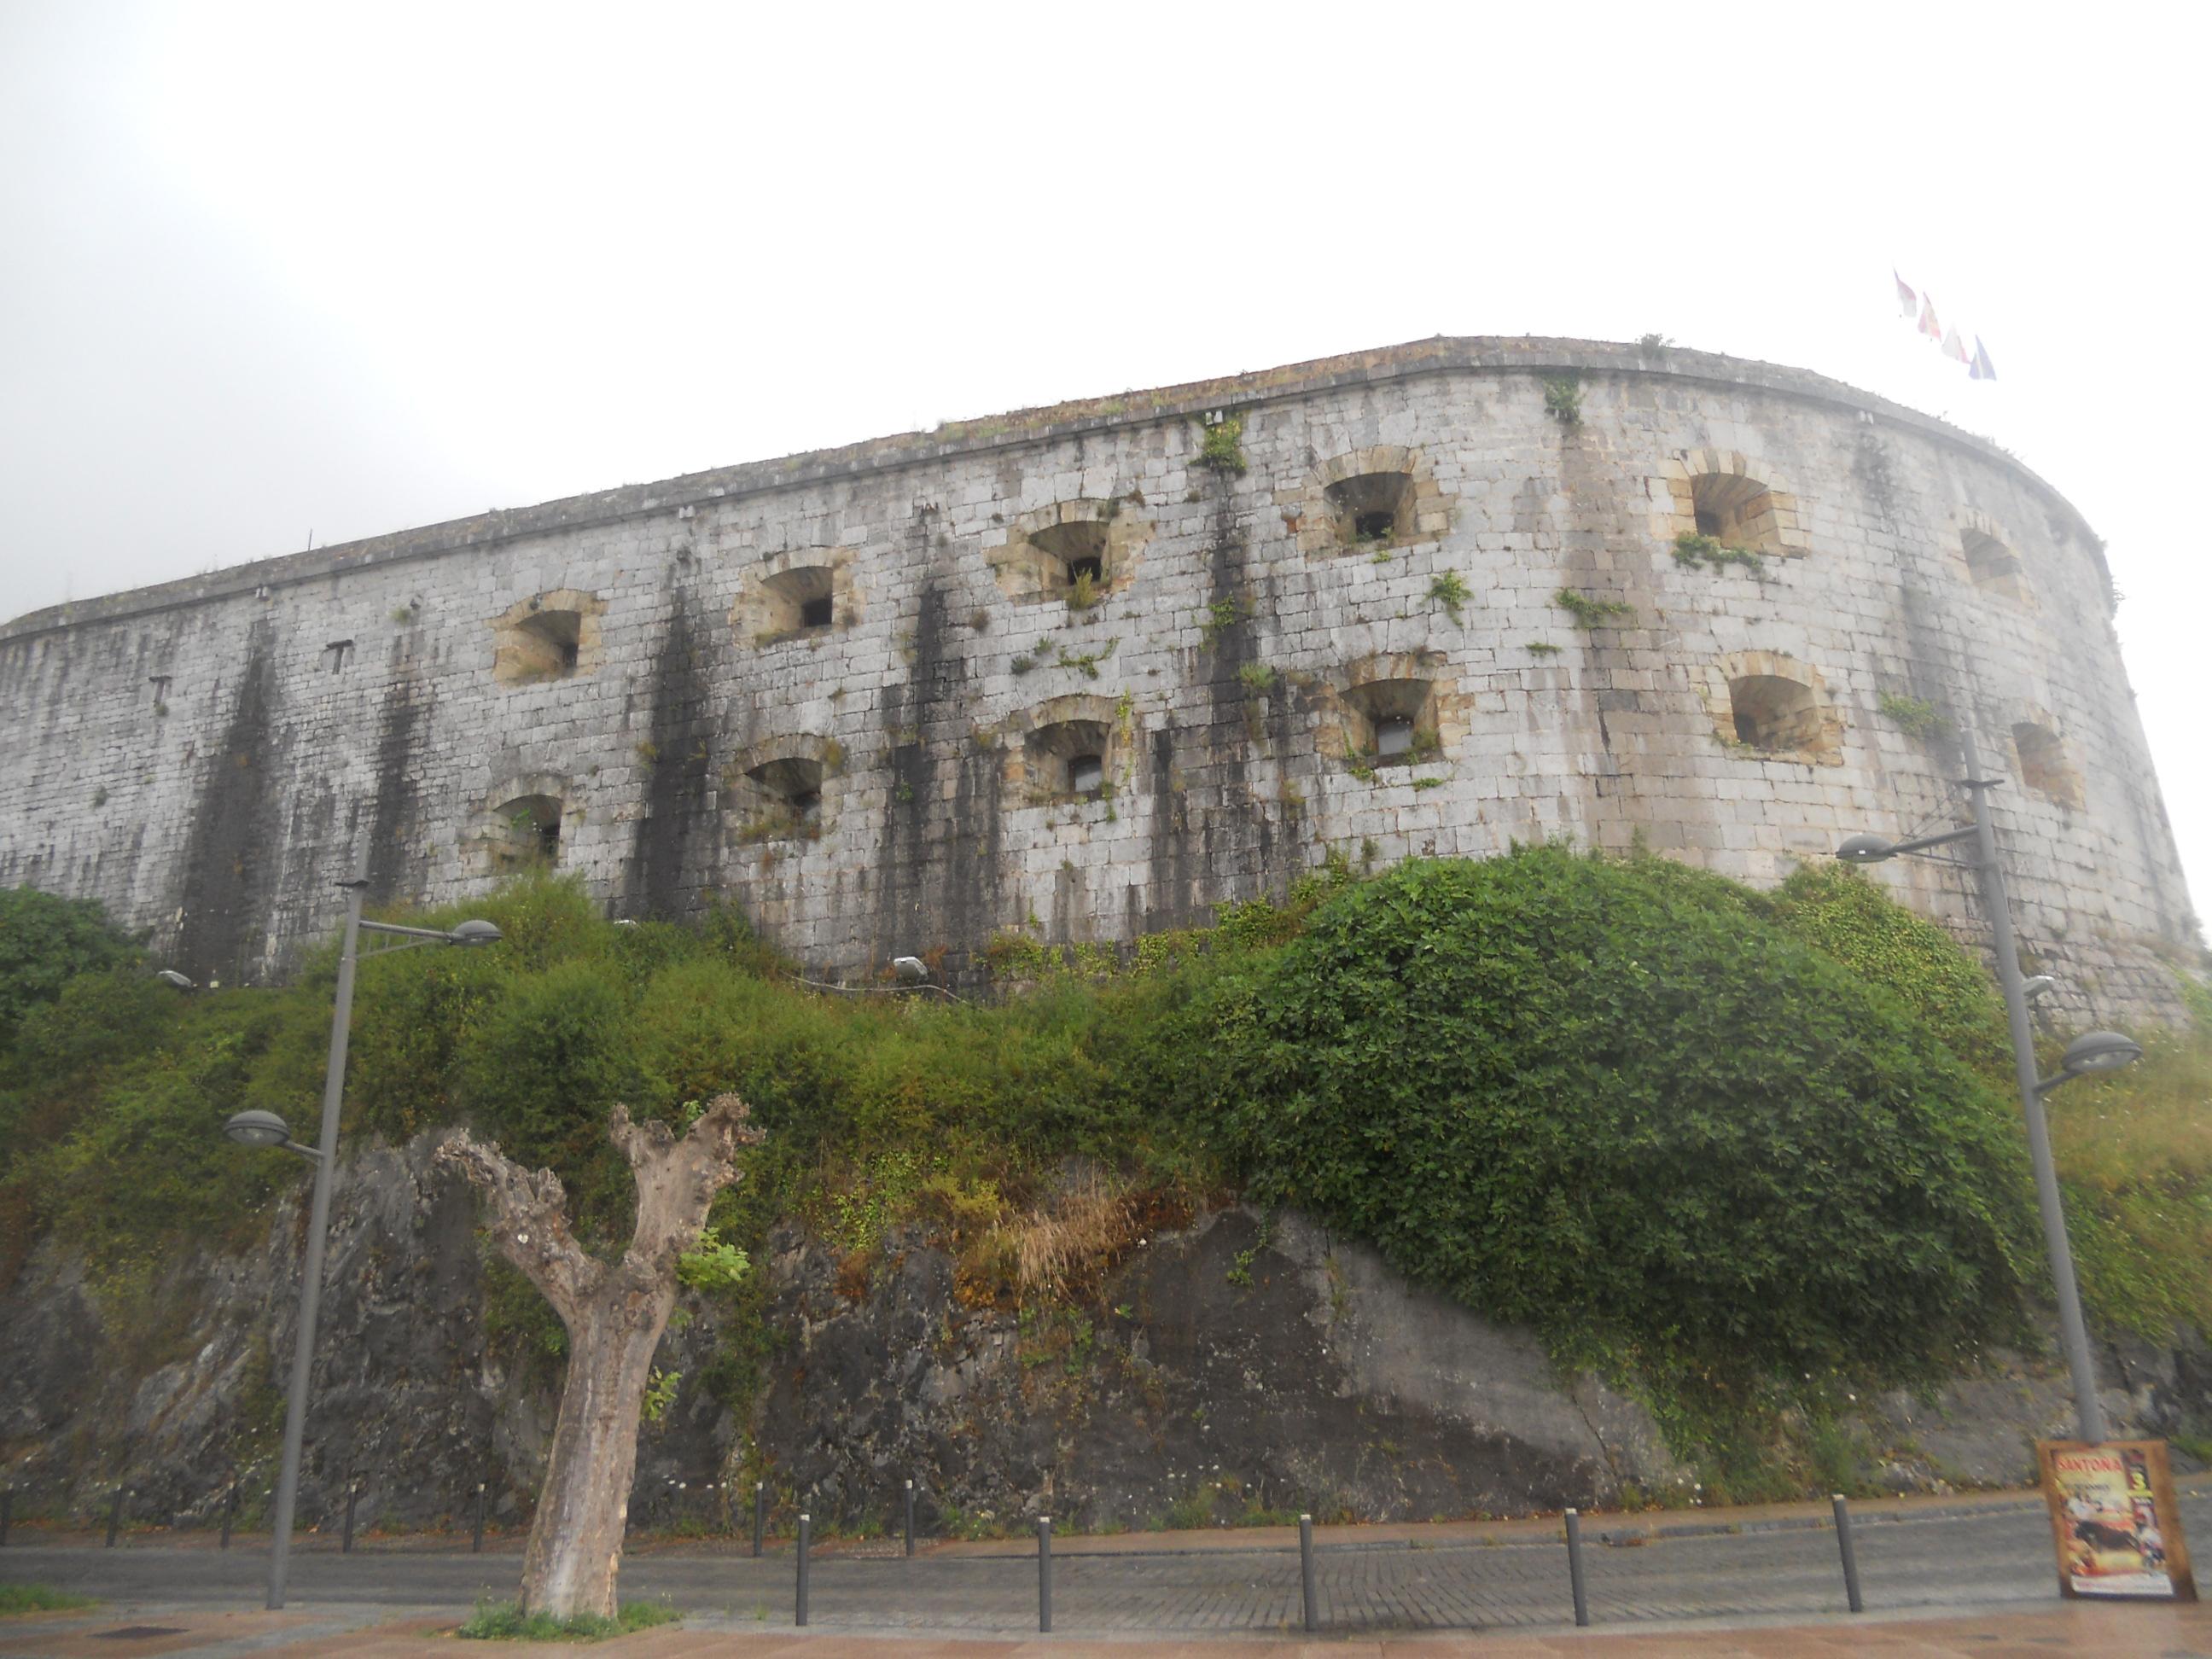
(40, 1598)
(505, 1621)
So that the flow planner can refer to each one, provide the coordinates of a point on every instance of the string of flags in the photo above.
(1920, 307)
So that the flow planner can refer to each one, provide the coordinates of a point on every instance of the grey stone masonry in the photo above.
(1083, 672)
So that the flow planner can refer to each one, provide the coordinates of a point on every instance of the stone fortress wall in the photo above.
(1059, 675)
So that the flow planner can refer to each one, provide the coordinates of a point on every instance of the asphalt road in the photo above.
(1992, 1557)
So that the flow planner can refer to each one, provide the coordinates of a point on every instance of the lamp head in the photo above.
(171, 976)
(474, 932)
(2101, 1051)
(1865, 849)
(2042, 985)
(258, 1128)
(910, 970)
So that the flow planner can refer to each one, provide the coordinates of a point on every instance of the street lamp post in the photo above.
(2097, 1051)
(261, 1128)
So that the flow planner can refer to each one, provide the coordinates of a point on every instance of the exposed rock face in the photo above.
(1227, 1365)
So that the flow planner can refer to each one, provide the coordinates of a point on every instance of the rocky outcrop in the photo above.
(1232, 1365)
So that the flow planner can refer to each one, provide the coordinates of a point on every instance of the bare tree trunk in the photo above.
(615, 1313)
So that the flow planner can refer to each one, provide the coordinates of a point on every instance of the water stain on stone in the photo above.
(679, 770)
(230, 854)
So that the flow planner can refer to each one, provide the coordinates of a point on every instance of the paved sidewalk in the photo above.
(2140, 1632)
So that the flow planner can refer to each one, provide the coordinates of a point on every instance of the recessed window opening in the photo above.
(545, 645)
(1736, 511)
(1391, 720)
(2043, 765)
(1067, 757)
(1990, 561)
(1078, 547)
(801, 600)
(528, 833)
(1371, 508)
(795, 783)
(1774, 714)
(336, 654)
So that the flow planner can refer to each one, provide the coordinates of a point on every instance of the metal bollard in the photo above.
(806, 1537)
(114, 1517)
(353, 1491)
(1851, 1556)
(1574, 1567)
(760, 1515)
(476, 1542)
(1045, 1574)
(909, 1517)
(1306, 1572)
(229, 1512)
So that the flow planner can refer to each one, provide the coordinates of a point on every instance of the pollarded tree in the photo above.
(615, 1312)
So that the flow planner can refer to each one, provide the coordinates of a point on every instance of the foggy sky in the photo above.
(274, 272)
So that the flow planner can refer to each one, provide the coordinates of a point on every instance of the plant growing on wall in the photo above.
(615, 1312)
(1590, 613)
(1693, 550)
(1916, 717)
(1449, 590)
(1563, 399)
(1223, 449)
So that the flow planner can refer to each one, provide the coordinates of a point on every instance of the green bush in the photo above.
(1609, 1100)
(1716, 1137)
(44, 942)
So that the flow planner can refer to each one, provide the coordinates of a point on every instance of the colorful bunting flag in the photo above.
(1952, 344)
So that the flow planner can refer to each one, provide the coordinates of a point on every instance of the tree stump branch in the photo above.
(615, 1315)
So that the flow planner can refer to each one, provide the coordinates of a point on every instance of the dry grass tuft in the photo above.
(1059, 1251)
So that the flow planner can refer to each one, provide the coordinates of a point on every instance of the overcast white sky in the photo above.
(270, 269)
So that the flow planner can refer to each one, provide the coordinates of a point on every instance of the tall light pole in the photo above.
(2097, 1051)
(259, 1129)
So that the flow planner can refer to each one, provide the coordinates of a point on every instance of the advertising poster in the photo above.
(2114, 1520)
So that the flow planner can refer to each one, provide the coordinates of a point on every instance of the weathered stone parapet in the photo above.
(1066, 671)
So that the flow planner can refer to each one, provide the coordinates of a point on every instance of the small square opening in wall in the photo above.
(1086, 773)
(1391, 722)
(1775, 715)
(1372, 508)
(528, 833)
(797, 601)
(1736, 511)
(543, 646)
(1077, 547)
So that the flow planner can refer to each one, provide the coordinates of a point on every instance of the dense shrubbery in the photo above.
(1707, 1134)
(1613, 1100)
